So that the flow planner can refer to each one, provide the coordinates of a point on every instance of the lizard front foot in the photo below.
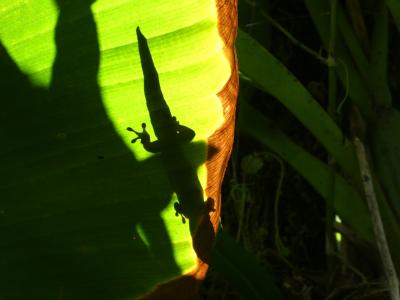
(178, 211)
(208, 207)
(143, 136)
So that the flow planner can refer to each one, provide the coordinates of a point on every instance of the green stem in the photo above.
(332, 88)
(332, 63)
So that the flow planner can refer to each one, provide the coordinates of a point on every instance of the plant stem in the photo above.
(358, 133)
(377, 225)
(331, 109)
(332, 63)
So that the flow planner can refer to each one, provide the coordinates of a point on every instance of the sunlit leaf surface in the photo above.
(85, 214)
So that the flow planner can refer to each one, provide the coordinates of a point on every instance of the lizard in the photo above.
(171, 137)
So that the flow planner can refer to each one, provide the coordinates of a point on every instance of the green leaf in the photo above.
(347, 201)
(242, 270)
(347, 70)
(254, 60)
(359, 89)
(374, 82)
(85, 214)
(394, 7)
(379, 56)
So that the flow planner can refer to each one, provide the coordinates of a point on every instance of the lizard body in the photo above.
(171, 136)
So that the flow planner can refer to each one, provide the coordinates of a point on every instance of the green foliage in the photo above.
(242, 270)
(85, 214)
(362, 70)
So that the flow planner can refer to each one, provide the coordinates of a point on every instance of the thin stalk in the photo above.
(278, 241)
(377, 225)
(332, 62)
(331, 109)
(294, 41)
(288, 35)
(358, 133)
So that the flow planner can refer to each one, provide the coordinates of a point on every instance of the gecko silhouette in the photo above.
(171, 138)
